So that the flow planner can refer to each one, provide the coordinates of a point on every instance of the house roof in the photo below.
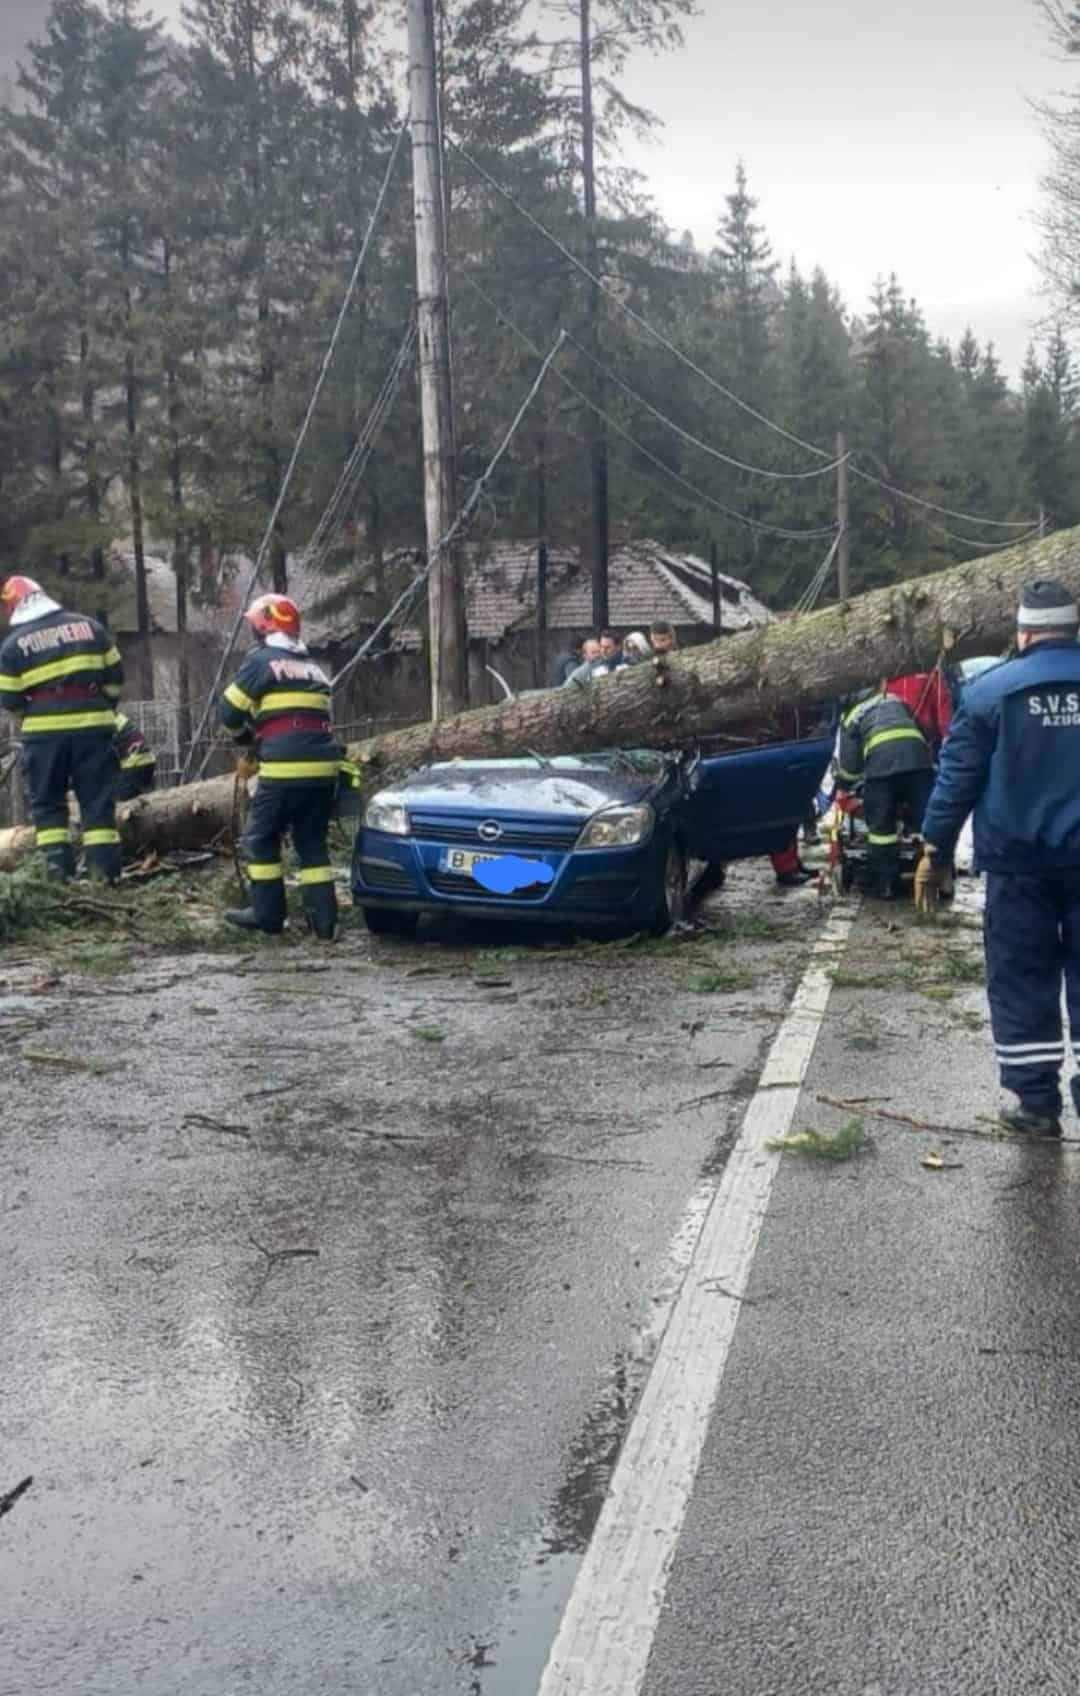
(646, 581)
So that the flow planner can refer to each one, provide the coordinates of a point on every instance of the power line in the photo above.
(336, 507)
(691, 365)
(695, 441)
(983, 545)
(328, 356)
(669, 471)
(812, 593)
(642, 323)
(407, 598)
(947, 511)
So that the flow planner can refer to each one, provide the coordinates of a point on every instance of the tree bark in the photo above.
(729, 685)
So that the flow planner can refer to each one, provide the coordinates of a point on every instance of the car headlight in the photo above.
(385, 812)
(617, 827)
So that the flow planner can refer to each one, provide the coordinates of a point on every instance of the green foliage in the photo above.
(844, 1144)
(179, 221)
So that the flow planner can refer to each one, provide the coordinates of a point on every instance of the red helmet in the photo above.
(17, 589)
(272, 614)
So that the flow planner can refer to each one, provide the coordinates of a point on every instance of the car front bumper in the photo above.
(588, 886)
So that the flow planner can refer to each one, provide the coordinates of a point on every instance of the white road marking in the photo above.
(607, 1631)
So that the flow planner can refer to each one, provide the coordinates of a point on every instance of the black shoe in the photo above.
(1021, 1118)
(789, 880)
(244, 919)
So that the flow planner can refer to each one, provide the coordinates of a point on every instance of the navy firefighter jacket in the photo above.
(280, 699)
(1013, 754)
(61, 673)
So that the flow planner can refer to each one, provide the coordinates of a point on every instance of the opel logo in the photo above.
(490, 830)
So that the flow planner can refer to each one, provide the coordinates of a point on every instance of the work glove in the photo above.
(928, 880)
(247, 767)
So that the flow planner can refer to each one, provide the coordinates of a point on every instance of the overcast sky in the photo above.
(875, 137)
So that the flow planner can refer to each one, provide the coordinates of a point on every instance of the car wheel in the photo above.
(672, 904)
(390, 921)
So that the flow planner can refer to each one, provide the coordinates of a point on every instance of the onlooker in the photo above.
(593, 665)
(566, 663)
(610, 650)
(636, 647)
(662, 636)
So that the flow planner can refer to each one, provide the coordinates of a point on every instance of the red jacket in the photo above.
(926, 695)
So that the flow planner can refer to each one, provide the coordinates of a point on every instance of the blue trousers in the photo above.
(304, 810)
(85, 761)
(1032, 937)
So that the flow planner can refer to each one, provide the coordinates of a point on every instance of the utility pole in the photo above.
(843, 575)
(598, 457)
(446, 592)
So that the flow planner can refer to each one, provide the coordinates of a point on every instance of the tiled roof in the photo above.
(645, 581)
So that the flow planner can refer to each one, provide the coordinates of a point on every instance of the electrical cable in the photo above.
(675, 476)
(695, 441)
(322, 538)
(947, 511)
(408, 596)
(636, 317)
(264, 546)
(691, 365)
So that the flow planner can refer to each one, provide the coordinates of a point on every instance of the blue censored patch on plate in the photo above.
(509, 873)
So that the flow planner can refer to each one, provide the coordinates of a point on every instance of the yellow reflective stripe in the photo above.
(236, 698)
(105, 720)
(881, 841)
(100, 838)
(288, 700)
(316, 874)
(901, 733)
(265, 873)
(112, 656)
(10, 685)
(129, 761)
(52, 669)
(298, 768)
(852, 776)
(54, 833)
(112, 690)
(122, 720)
(350, 773)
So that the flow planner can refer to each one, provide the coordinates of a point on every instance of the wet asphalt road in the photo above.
(325, 1311)
(889, 1495)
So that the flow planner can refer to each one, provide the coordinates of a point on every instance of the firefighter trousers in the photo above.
(303, 811)
(883, 799)
(1031, 932)
(85, 761)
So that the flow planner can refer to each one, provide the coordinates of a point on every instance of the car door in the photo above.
(752, 802)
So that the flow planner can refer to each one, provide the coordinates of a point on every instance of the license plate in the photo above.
(462, 860)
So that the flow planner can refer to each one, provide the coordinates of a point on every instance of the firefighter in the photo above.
(1012, 754)
(882, 747)
(138, 762)
(278, 704)
(60, 676)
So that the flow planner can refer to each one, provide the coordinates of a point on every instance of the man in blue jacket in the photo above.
(1013, 754)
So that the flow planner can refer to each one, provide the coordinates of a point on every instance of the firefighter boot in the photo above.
(320, 901)
(244, 919)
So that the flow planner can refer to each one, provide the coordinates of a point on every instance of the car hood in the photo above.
(566, 786)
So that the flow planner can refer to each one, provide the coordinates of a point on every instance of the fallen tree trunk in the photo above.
(720, 686)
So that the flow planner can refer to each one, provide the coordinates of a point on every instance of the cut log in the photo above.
(722, 686)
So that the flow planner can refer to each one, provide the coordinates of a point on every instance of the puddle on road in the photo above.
(515, 1659)
(517, 1654)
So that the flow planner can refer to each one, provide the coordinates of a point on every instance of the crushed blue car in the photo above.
(616, 838)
